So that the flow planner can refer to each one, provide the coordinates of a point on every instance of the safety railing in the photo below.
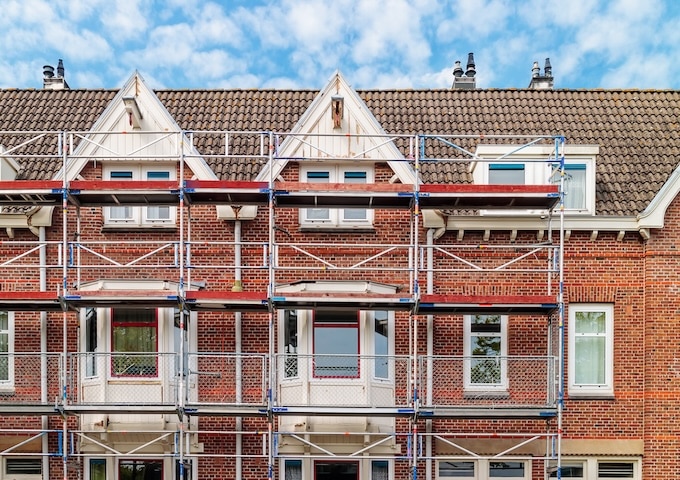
(124, 378)
(227, 379)
(489, 381)
(22, 381)
(343, 380)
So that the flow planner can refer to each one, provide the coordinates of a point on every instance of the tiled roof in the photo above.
(638, 131)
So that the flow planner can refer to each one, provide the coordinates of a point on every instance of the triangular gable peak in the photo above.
(338, 126)
(135, 109)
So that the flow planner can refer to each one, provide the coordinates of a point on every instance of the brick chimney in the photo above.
(50, 82)
(541, 82)
(465, 81)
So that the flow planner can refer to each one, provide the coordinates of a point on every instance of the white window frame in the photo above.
(482, 469)
(336, 217)
(502, 386)
(591, 467)
(590, 390)
(539, 168)
(7, 385)
(139, 216)
(18, 476)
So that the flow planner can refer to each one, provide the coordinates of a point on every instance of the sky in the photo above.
(375, 44)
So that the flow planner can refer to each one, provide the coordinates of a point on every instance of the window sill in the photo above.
(7, 390)
(338, 228)
(136, 228)
(493, 394)
(590, 396)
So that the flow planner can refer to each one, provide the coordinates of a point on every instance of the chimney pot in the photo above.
(470, 72)
(458, 70)
(535, 70)
(548, 68)
(60, 68)
(48, 71)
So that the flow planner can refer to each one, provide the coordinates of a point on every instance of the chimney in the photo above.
(50, 82)
(541, 82)
(467, 81)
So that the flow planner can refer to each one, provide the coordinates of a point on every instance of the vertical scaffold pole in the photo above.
(182, 311)
(64, 361)
(415, 269)
(559, 149)
(270, 295)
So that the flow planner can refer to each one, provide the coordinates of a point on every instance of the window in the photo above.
(139, 216)
(485, 351)
(506, 174)
(457, 470)
(134, 333)
(97, 469)
(340, 217)
(6, 349)
(575, 187)
(327, 470)
(292, 470)
(336, 344)
(535, 165)
(290, 343)
(23, 468)
(380, 470)
(482, 469)
(140, 469)
(91, 342)
(591, 344)
(381, 344)
(180, 342)
(597, 469)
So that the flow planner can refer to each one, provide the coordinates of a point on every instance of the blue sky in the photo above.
(383, 44)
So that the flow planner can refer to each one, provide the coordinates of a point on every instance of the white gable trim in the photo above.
(364, 123)
(155, 119)
(654, 215)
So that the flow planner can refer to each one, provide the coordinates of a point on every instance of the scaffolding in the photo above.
(291, 273)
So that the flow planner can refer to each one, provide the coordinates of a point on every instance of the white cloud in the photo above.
(125, 19)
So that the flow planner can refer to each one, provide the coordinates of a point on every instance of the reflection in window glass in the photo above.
(4, 347)
(140, 470)
(506, 470)
(457, 469)
(381, 344)
(506, 174)
(336, 344)
(134, 332)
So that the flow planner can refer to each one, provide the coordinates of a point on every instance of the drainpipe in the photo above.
(43, 352)
(238, 287)
(430, 350)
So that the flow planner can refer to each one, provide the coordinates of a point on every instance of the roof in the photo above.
(638, 131)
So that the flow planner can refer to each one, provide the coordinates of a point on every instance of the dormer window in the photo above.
(535, 165)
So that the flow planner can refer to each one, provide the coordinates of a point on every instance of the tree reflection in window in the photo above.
(135, 333)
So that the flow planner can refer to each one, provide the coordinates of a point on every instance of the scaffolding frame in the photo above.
(70, 194)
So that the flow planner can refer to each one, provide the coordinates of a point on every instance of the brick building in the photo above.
(339, 284)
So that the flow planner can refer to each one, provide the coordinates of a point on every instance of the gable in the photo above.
(338, 127)
(135, 108)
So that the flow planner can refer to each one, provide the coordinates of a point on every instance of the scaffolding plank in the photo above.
(122, 298)
(31, 192)
(223, 192)
(226, 300)
(121, 192)
(343, 300)
(344, 195)
(30, 301)
(475, 196)
(492, 304)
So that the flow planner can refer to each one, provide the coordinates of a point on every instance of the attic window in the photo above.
(337, 108)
